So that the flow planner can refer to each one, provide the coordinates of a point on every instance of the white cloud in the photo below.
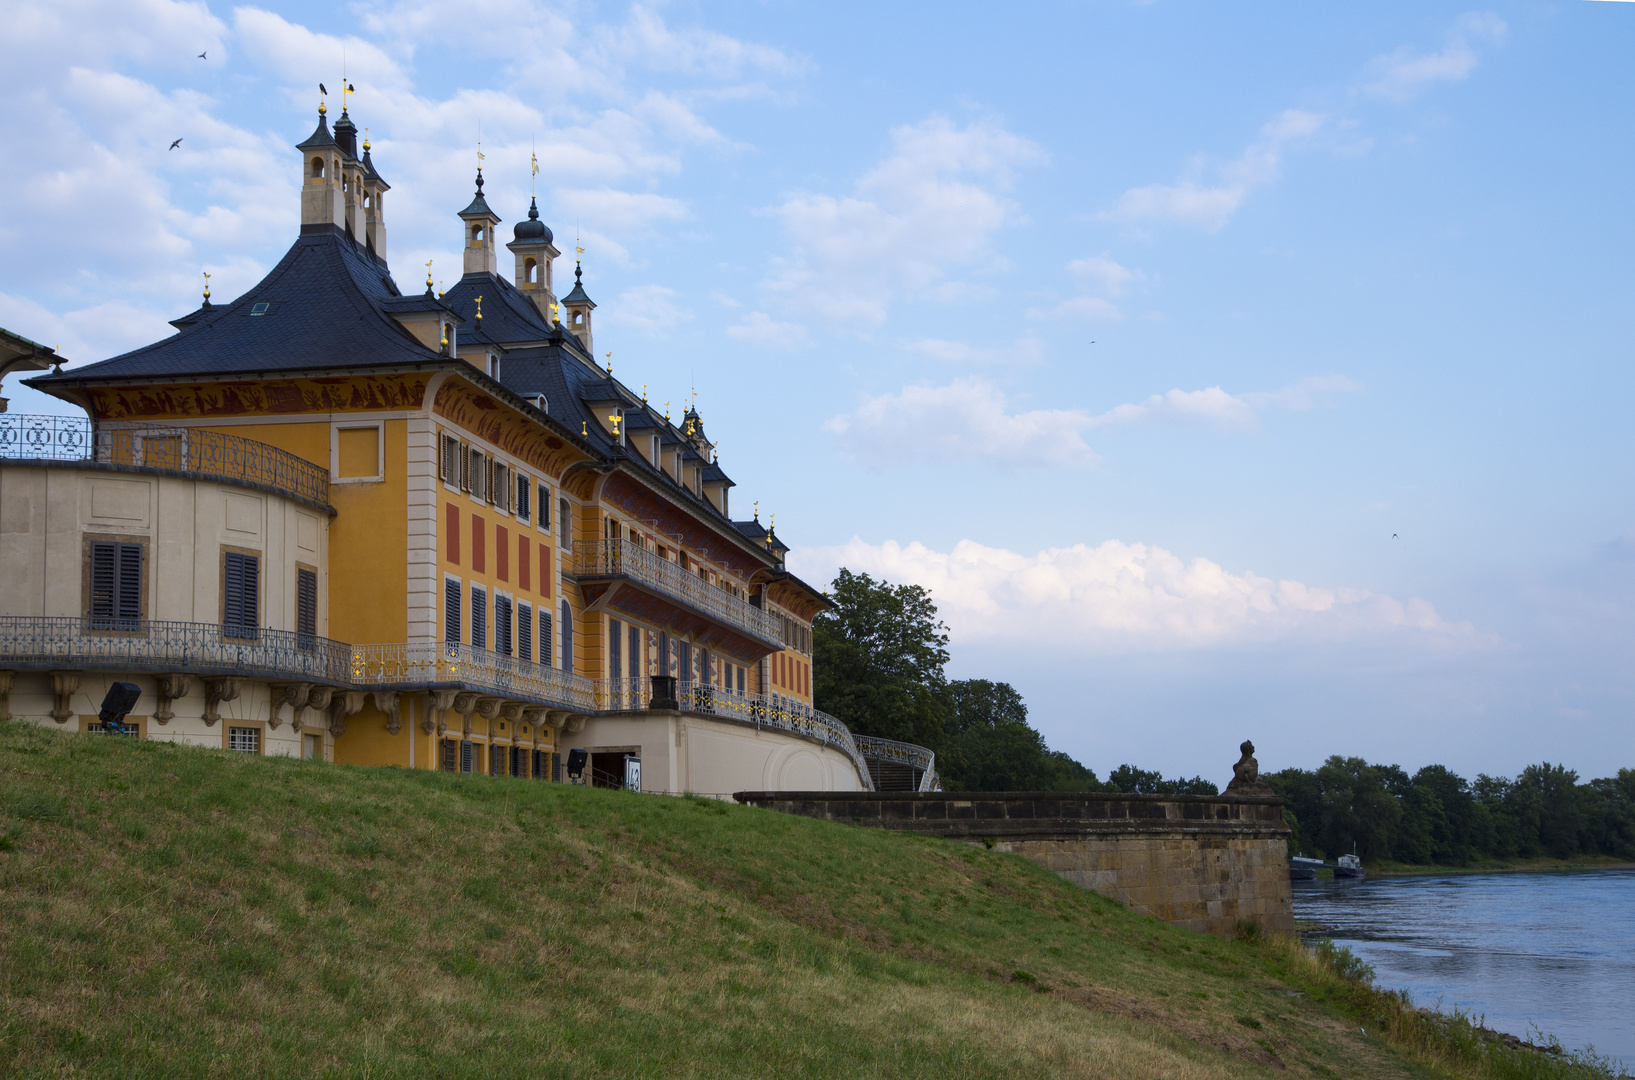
(762, 330)
(1403, 74)
(930, 206)
(1100, 281)
(1210, 204)
(1024, 351)
(652, 310)
(1214, 407)
(967, 420)
(1103, 273)
(963, 421)
(1120, 598)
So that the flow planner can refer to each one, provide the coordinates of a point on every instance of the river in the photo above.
(1554, 951)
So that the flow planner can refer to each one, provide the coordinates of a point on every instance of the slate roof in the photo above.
(509, 318)
(326, 303)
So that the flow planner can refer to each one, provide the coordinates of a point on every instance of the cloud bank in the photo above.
(1118, 597)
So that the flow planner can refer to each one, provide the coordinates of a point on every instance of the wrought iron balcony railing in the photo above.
(764, 710)
(473, 668)
(622, 558)
(28, 641)
(891, 752)
(209, 454)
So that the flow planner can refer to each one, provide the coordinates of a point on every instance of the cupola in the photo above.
(374, 190)
(322, 202)
(579, 306)
(480, 223)
(534, 253)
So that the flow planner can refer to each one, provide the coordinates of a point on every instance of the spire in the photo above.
(479, 205)
(480, 222)
(346, 134)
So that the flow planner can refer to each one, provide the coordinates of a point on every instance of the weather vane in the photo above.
(428, 275)
(533, 164)
(207, 286)
(610, 364)
(615, 418)
(479, 309)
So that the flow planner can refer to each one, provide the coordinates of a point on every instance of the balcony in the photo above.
(46, 642)
(162, 448)
(466, 666)
(624, 559)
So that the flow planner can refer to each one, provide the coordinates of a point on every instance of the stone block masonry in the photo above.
(1202, 862)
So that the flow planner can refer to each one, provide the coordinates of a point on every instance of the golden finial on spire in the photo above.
(644, 393)
(479, 309)
(445, 335)
(666, 412)
(615, 418)
(716, 450)
(207, 286)
(610, 363)
(439, 290)
(428, 275)
(533, 164)
(757, 509)
(366, 140)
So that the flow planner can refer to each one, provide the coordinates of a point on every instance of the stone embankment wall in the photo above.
(1202, 862)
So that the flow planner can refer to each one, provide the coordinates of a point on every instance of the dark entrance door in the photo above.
(607, 769)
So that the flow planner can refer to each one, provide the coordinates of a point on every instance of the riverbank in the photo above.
(1385, 868)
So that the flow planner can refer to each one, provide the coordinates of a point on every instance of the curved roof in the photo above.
(320, 307)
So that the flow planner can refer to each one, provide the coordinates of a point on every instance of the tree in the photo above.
(992, 747)
(1134, 781)
(878, 660)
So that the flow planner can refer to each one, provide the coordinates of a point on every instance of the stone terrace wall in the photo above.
(1203, 862)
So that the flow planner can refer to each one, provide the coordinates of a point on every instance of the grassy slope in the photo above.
(167, 911)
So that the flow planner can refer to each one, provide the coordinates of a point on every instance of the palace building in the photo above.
(334, 520)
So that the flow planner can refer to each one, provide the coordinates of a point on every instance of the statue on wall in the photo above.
(1246, 774)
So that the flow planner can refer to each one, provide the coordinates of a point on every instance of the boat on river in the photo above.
(1304, 869)
(1348, 866)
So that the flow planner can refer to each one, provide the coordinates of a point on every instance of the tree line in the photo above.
(1438, 817)
(880, 662)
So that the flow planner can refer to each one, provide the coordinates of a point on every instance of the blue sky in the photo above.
(1225, 371)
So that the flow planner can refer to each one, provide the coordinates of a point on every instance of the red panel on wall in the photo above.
(502, 552)
(451, 529)
(522, 562)
(479, 533)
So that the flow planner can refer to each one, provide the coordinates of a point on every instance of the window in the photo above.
(544, 508)
(525, 488)
(241, 599)
(468, 756)
(615, 655)
(525, 632)
(545, 653)
(452, 604)
(499, 486)
(502, 625)
(479, 617)
(448, 462)
(567, 637)
(564, 526)
(519, 763)
(116, 585)
(740, 679)
(306, 602)
(357, 454)
(451, 756)
(244, 740)
(312, 747)
(637, 661)
(684, 660)
(478, 476)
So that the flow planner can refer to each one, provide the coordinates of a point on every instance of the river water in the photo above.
(1548, 952)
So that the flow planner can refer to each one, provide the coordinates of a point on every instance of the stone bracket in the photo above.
(64, 684)
(171, 687)
(217, 691)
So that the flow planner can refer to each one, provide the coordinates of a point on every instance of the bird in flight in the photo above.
(1393, 536)
(202, 56)
(175, 144)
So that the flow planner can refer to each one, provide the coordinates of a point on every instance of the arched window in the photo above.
(530, 271)
(318, 168)
(579, 318)
(368, 200)
(476, 234)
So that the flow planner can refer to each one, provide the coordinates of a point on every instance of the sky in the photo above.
(1225, 371)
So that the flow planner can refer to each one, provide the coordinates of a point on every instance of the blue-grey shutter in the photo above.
(638, 663)
(502, 625)
(306, 602)
(546, 655)
(566, 634)
(104, 580)
(615, 656)
(129, 591)
(525, 632)
(479, 618)
(240, 605)
(452, 603)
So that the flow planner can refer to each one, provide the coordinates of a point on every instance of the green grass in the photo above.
(174, 912)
